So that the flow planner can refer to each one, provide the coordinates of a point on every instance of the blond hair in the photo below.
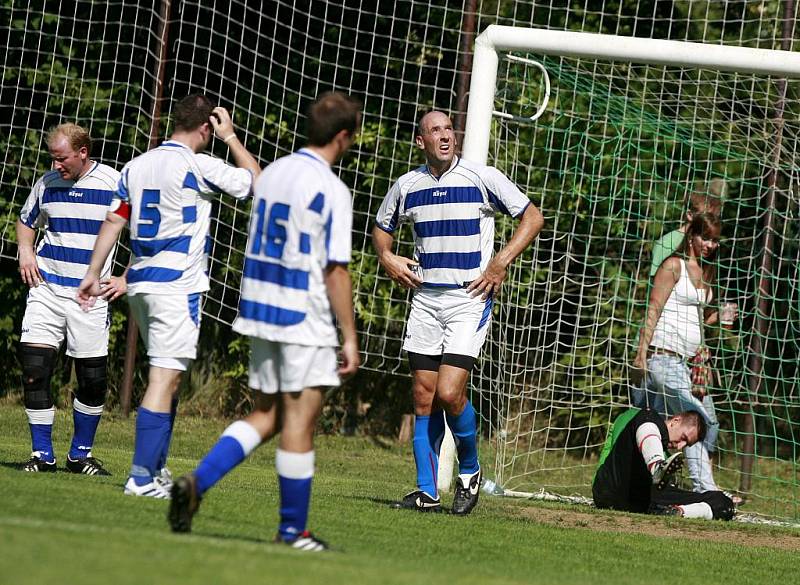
(77, 136)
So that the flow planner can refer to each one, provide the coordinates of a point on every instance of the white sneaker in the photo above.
(148, 490)
(164, 479)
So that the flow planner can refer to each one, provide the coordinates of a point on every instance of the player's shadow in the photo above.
(15, 465)
(392, 504)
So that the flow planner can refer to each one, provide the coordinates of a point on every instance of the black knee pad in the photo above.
(722, 506)
(92, 384)
(37, 369)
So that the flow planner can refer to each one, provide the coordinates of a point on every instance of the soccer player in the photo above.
(69, 204)
(635, 474)
(295, 273)
(167, 193)
(451, 204)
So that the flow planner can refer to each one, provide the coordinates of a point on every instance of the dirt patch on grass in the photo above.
(665, 527)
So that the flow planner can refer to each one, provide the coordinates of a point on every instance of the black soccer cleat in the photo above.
(184, 503)
(86, 466)
(37, 465)
(420, 501)
(305, 541)
(666, 470)
(468, 487)
(664, 510)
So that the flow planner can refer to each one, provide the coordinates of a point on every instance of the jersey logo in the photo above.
(74, 194)
(439, 193)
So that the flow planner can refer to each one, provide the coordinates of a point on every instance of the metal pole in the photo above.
(761, 323)
(158, 92)
(467, 38)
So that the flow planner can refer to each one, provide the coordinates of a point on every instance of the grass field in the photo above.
(62, 528)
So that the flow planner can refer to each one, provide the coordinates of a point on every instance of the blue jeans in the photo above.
(668, 391)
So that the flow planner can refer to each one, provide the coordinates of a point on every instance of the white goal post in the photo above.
(599, 47)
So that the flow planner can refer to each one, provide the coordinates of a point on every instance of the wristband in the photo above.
(229, 138)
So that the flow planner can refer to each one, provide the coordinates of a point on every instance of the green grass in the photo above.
(62, 528)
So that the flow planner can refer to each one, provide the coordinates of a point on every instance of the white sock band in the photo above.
(245, 434)
(294, 465)
(699, 510)
(648, 439)
(86, 409)
(41, 417)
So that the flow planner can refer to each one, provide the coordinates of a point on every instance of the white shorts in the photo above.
(446, 320)
(49, 319)
(287, 367)
(169, 326)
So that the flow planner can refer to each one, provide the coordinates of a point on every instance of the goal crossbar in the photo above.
(603, 47)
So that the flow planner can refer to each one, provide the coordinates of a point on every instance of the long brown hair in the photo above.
(705, 225)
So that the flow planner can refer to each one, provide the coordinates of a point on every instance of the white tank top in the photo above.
(678, 328)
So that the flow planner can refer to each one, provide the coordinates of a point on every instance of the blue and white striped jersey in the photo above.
(302, 221)
(452, 218)
(71, 213)
(169, 189)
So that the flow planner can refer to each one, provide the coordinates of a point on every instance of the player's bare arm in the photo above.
(223, 128)
(663, 283)
(496, 271)
(28, 268)
(90, 288)
(397, 267)
(340, 293)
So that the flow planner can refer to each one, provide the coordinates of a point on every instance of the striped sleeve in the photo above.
(339, 228)
(504, 196)
(31, 214)
(388, 216)
(220, 177)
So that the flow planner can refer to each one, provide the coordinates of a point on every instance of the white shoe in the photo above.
(148, 490)
(164, 479)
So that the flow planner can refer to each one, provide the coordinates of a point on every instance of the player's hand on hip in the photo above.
(351, 359)
(400, 270)
(113, 288)
(29, 269)
(488, 283)
(221, 122)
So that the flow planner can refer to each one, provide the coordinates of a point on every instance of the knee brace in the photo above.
(722, 506)
(92, 385)
(37, 369)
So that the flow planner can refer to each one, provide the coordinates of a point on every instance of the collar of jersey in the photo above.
(173, 143)
(310, 153)
(453, 165)
(95, 164)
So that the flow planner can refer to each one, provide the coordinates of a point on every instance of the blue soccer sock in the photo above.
(151, 432)
(295, 472)
(236, 443)
(465, 433)
(41, 425)
(85, 420)
(173, 411)
(425, 458)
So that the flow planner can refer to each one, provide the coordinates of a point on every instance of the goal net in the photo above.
(609, 161)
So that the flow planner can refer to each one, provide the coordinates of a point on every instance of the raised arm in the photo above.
(496, 271)
(340, 293)
(397, 267)
(223, 128)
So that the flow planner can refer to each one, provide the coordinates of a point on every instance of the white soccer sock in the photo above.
(648, 439)
(699, 510)
(294, 465)
(79, 406)
(245, 434)
(44, 416)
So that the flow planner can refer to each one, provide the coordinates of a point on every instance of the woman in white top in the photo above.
(682, 291)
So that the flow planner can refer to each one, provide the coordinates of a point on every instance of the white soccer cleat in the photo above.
(164, 479)
(148, 490)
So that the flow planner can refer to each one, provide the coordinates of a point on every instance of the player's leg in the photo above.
(43, 330)
(87, 344)
(423, 342)
(237, 441)
(304, 372)
(466, 323)
(170, 330)
(711, 505)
